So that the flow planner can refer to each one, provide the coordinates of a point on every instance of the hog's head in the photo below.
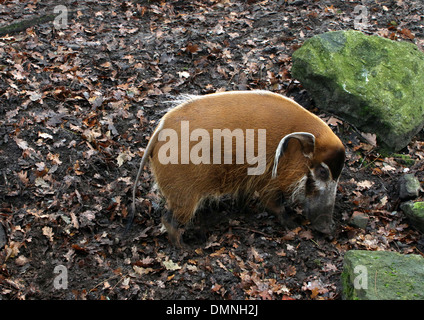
(316, 189)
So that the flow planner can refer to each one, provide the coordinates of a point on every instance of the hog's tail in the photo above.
(143, 161)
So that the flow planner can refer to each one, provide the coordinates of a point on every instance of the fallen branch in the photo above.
(25, 24)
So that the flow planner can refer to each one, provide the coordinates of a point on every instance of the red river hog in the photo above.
(244, 143)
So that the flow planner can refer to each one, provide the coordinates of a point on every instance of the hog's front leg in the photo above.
(277, 207)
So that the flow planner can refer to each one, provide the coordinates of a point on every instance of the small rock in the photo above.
(296, 2)
(3, 238)
(409, 187)
(415, 213)
(359, 220)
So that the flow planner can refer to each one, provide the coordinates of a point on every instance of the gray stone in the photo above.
(375, 83)
(382, 275)
(359, 220)
(409, 187)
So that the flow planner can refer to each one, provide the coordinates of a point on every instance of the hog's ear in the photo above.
(307, 143)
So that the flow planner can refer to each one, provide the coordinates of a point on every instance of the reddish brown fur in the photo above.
(185, 185)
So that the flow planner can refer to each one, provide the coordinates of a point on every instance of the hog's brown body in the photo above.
(304, 158)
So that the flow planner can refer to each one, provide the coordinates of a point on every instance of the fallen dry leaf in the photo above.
(170, 265)
(48, 232)
(365, 184)
(142, 271)
(21, 143)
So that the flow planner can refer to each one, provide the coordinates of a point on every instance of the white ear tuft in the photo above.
(307, 141)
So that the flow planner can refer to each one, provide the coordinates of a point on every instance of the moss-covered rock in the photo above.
(415, 213)
(382, 275)
(375, 83)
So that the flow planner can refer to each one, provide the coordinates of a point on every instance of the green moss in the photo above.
(404, 159)
(348, 291)
(419, 209)
(419, 205)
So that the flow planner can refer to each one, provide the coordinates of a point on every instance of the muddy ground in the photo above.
(78, 105)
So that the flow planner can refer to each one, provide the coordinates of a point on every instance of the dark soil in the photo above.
(79, 104)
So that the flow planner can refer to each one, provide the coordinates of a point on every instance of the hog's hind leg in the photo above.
(173, 228)
(179, 214)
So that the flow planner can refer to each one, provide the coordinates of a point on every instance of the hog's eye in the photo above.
(322, 172)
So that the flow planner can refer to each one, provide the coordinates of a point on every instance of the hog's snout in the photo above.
(324, 224)
(319, 208)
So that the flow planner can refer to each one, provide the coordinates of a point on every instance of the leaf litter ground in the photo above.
(79, 105)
